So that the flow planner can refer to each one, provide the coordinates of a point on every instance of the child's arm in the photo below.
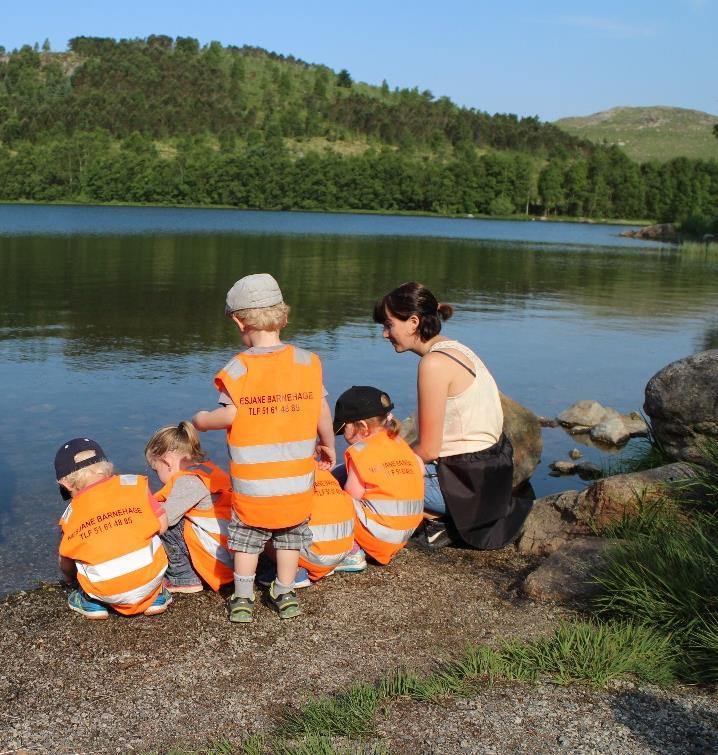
(68, 569)
(326, 446)
(219, 419)
(159, 511)
(354, 486)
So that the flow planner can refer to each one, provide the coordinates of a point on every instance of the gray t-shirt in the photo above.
(187, 492)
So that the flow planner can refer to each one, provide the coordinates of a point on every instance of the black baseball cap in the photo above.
(360, 402)
(65, 459)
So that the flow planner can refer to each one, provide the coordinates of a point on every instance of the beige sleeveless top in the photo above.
(474, 419)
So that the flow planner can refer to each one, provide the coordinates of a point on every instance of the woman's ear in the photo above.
(414, 322)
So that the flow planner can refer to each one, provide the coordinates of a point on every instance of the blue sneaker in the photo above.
(267, 573)
(353, 562)
(160, 603)
(90, 609)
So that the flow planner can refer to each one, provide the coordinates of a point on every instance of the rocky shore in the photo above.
(189, 677)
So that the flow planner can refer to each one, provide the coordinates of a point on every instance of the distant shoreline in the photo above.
(383, 213)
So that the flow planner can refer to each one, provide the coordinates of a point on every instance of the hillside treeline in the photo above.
(159, 120)
(92, 166)
(162, 88)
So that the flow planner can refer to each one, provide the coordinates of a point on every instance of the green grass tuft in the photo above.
(348, 714)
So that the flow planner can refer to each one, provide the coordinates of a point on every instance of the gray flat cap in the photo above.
(253, 292)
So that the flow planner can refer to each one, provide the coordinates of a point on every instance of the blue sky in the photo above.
(552, 59)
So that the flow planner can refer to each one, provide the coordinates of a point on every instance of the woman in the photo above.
(459, 426)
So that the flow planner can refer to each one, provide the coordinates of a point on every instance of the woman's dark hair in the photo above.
(414, 299)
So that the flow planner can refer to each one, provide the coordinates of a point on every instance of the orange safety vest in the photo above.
(332, 526)
(272, 440)
(393, 504)
(205, 529)
(111, 533)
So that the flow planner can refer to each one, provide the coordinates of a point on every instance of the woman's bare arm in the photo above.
(432, 391)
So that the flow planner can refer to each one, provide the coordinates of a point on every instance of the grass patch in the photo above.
(645, 453)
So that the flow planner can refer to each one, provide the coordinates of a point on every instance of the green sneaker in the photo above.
(286, 604)
(240, 609)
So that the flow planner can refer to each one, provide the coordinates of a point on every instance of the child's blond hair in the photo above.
(386, 422)
(87, 475)
(182, 439)
(264, 318)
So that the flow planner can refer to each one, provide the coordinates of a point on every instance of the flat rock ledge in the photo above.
(559, 518)
(567, 574)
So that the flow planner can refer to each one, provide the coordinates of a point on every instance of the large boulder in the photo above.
(610, 500)
(657, 232)
(557, 519)
(551, 523)
(682, 403)
(568, 573)
(523, 430)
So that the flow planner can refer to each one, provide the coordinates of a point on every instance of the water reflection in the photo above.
(112, 336)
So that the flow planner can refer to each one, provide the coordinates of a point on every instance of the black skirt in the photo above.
(477, 489)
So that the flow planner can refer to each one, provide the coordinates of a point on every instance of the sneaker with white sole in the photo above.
(433, 534)
(184, 589)
(160, 603)
(353, 562)
(90, 609)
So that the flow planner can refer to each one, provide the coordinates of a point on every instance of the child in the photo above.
(384, 476)
(332, 526)
(110, 535)
(272, 406)
(197, 500)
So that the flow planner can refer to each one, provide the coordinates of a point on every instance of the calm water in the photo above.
(111, 324)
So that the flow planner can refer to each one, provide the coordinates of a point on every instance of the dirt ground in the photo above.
(189, 676)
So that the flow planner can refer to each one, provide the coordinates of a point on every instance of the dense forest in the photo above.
(163, 120)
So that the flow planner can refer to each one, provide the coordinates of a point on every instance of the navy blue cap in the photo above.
(65, 458)
(360, 402)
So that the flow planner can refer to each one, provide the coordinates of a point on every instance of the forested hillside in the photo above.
(163, 120)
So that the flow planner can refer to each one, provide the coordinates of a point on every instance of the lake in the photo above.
(112, 324)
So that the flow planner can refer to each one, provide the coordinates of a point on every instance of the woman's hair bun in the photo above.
(445, 310)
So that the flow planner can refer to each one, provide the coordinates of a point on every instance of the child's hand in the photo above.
(327, 457)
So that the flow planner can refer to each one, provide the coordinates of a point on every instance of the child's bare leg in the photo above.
(287, 564)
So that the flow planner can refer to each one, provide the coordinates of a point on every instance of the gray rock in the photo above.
(682, 403)
(584, 413)
(548, 421)
(609, 500)
(552, 522)
(575, 453)
(657, 232)
(635, 424)
(611, 431)
(562, 467)
(567, 573)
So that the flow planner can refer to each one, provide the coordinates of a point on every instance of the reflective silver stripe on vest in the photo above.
(128, 479)
(211, 524)
(319, 560)
(211, 546)
(274, 487)
(132, 596)
(295, 450)
(386, 534)
(118, 567)
(360, 446)
(325, 532)
(301, 356)
(393, 507)
(235, 368)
